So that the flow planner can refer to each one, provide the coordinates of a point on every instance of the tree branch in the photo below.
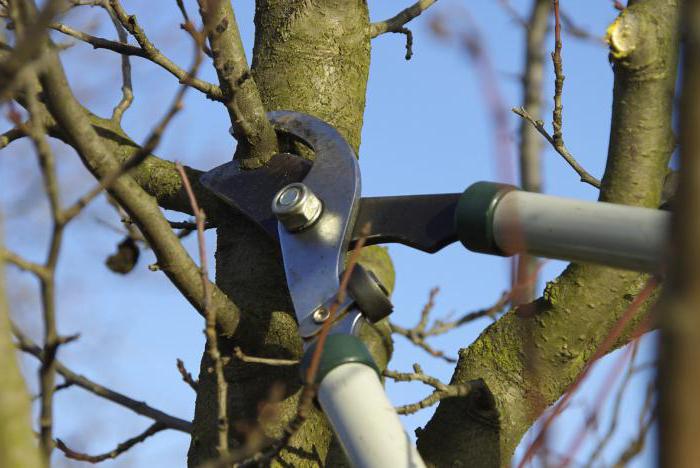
(210, 317)
(397, 22)
(152, 53)
(114, 453)
(257, 141)
(172, 257)
(12, 135)
(186, 376)
(260, 360)
(26, 345)
(559, 148)
(441, 392)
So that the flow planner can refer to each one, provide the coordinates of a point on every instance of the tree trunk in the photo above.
(312, 58)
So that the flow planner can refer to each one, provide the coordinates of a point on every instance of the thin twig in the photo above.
(150, 144)
(557, 138)
(139, 407)
(636, 445)
(624, 385)
(419, 333)
(398, 21)
(558, 79)
(513, 13)
(397, 24)
(99, 42)
(114, 453)
(210, 316)
(11, 257)
(47, 371)
(156, 56)
(240, 355)
(186, 376)
(127, 87)
(12, 135)
(441, 392)
(63, 386)
(559, 148)
(188, 26)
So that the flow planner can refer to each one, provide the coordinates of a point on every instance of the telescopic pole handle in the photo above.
(499, 219)
(355, 403)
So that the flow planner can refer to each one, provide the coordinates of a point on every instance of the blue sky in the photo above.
(426, 130)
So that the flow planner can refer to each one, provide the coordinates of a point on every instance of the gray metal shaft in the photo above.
(589, 232)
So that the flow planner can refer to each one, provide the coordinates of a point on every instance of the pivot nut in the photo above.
(296, 207)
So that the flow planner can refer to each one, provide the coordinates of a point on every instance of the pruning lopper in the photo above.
(315, 213)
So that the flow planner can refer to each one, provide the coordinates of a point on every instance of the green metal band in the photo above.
(474, 216)
(337, 350)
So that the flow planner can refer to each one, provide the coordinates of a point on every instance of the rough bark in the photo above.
(679, 375)
(311, 57)
(558, 333)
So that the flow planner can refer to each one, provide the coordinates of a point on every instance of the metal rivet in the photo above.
(321, 314)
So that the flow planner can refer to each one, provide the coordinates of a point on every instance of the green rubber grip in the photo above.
(474, 216)
(337, 350)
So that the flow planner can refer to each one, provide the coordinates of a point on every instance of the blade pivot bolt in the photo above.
(296, 207)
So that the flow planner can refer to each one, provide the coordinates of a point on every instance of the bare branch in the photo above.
(156, 56)
(186, 376)
(11, 257)
(114, 453)
(172, 257)
(558, 79)
(99, 42)
(259, 360)
(636, 445)
(257, 141)
(12, 135)
(418, 334)
(137, 158)
(397, 22)
(31, 31)
(210, 316)
(28, 346)
(559, 148)
(441, 391)
(47, 371)
(624, 385)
